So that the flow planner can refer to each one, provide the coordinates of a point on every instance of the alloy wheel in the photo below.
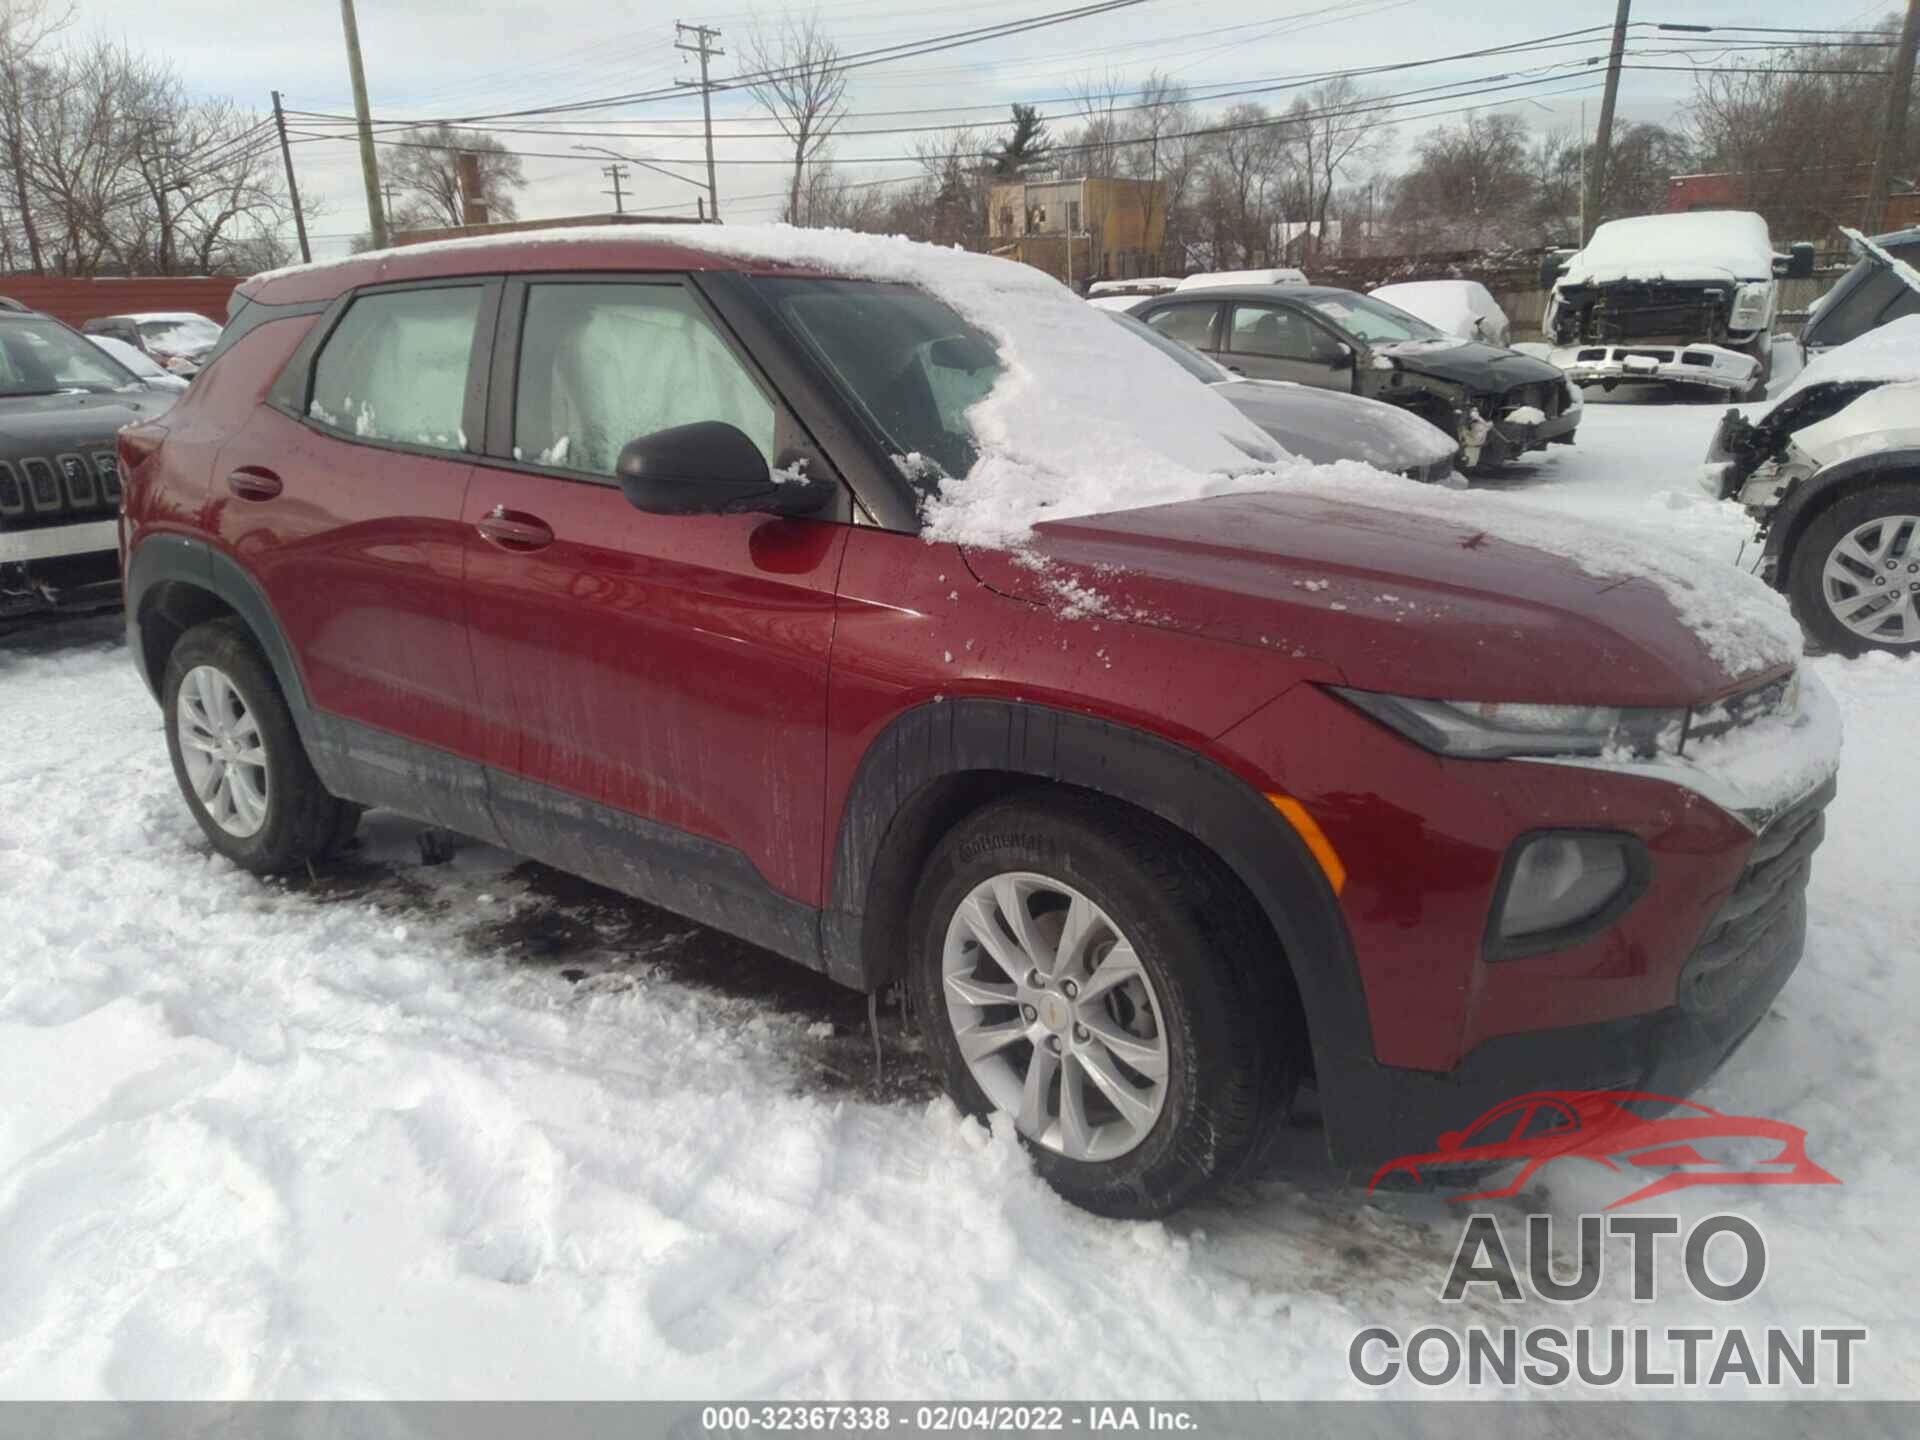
(1056, 1017)
(221, 747)
(1871, 579)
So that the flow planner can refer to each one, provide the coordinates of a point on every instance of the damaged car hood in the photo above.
(1477, 366)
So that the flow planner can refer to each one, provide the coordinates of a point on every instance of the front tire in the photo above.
(1092, 974)
(238, 757)
(1854, 575)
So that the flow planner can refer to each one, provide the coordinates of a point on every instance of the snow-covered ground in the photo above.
(474, 1130)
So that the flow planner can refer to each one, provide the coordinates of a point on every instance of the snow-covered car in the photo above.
(137, 360)
(1460, 307)
(1684, 299)
(1319, 425)
(1881, 287)
(1496, 404)
(1270, 275)
(1832, 476)
(177, 340)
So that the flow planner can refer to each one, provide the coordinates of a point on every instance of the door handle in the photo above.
(252, 482)
(1236, 369)
(511, 530)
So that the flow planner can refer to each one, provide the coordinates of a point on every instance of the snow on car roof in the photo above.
(1891, 352)
(1449, 305)
(1708, 245)
(172, 317)
(1207, 280)
(1143, 285)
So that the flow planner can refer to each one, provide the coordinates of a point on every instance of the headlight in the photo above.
(1492, 730)
(1559, 887)
(1750, 307)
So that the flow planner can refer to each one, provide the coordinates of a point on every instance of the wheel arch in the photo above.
(173, 583)
(933, 765)
(1824, 489)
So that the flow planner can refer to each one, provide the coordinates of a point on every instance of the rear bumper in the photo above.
(1713, 366)
(1735, 972)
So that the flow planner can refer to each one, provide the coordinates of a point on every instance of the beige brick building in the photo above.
(1080, 230)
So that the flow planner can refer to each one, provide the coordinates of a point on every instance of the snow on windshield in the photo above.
(1710, 245)
(1450, 305)
(1891, 352)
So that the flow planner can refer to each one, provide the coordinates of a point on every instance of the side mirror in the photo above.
(711, 468)
(1798, 262)
(1449, 1140)
(1552, 266)
(1342, 357)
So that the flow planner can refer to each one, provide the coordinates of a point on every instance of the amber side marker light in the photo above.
(1313, 837)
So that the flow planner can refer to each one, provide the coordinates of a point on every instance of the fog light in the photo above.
(1568, 885)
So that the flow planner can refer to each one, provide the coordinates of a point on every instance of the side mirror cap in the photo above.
(712, 468)
(1552, 266)
(1449, 1140)
(1799, 264)
(1342, 357)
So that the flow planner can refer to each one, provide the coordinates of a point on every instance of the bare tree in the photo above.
(801, 85)
(1161, 155)
(425, 168)
(25, 28)
(1335, 129)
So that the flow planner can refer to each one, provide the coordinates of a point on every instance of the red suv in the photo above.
(637, 554)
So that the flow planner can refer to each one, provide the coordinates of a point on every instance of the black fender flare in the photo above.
(890, 823)
(159, 560)
(1820, 489)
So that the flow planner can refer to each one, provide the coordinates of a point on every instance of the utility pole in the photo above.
(615, 173)
(1893, 128)
(704, 36)
(369, 165)
(293, 189)
(1603, 136)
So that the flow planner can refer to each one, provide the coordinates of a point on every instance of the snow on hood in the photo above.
(1712, 245)
(1887, 418)
(1889, 353)
(1744, 624)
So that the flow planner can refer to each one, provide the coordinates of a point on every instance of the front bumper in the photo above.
(1736, 970)
(1712, 366)
(1507, 440)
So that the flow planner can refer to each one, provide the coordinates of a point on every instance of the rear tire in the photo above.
(238, 757)
(1205, 1033)
(1836, 567)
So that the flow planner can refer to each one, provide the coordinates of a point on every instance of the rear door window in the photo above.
(1189, 324)
(395, 368)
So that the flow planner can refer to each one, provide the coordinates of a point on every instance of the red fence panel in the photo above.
(77, 301)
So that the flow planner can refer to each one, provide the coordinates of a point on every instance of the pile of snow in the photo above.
(1710, 245)
(1273, 275)
(1460, 307)
(1889, 353)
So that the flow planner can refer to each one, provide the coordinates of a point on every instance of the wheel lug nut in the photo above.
(1069, 989)
(1027, 1012)
(1080, 1033)
(1879, 579)
(1053, 1043)
(1036, 981)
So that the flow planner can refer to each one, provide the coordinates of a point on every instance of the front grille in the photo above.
(1709, 721)
(1546, 396)
(1740, 945)
(70, 487)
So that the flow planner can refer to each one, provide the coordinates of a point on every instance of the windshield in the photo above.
(180, 334)
(1195, 364)
(911, 364)
(43, 357)
(1371, 320)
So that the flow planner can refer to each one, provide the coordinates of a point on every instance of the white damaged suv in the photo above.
(1831, 474)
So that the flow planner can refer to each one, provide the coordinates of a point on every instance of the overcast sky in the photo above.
(430, 59)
